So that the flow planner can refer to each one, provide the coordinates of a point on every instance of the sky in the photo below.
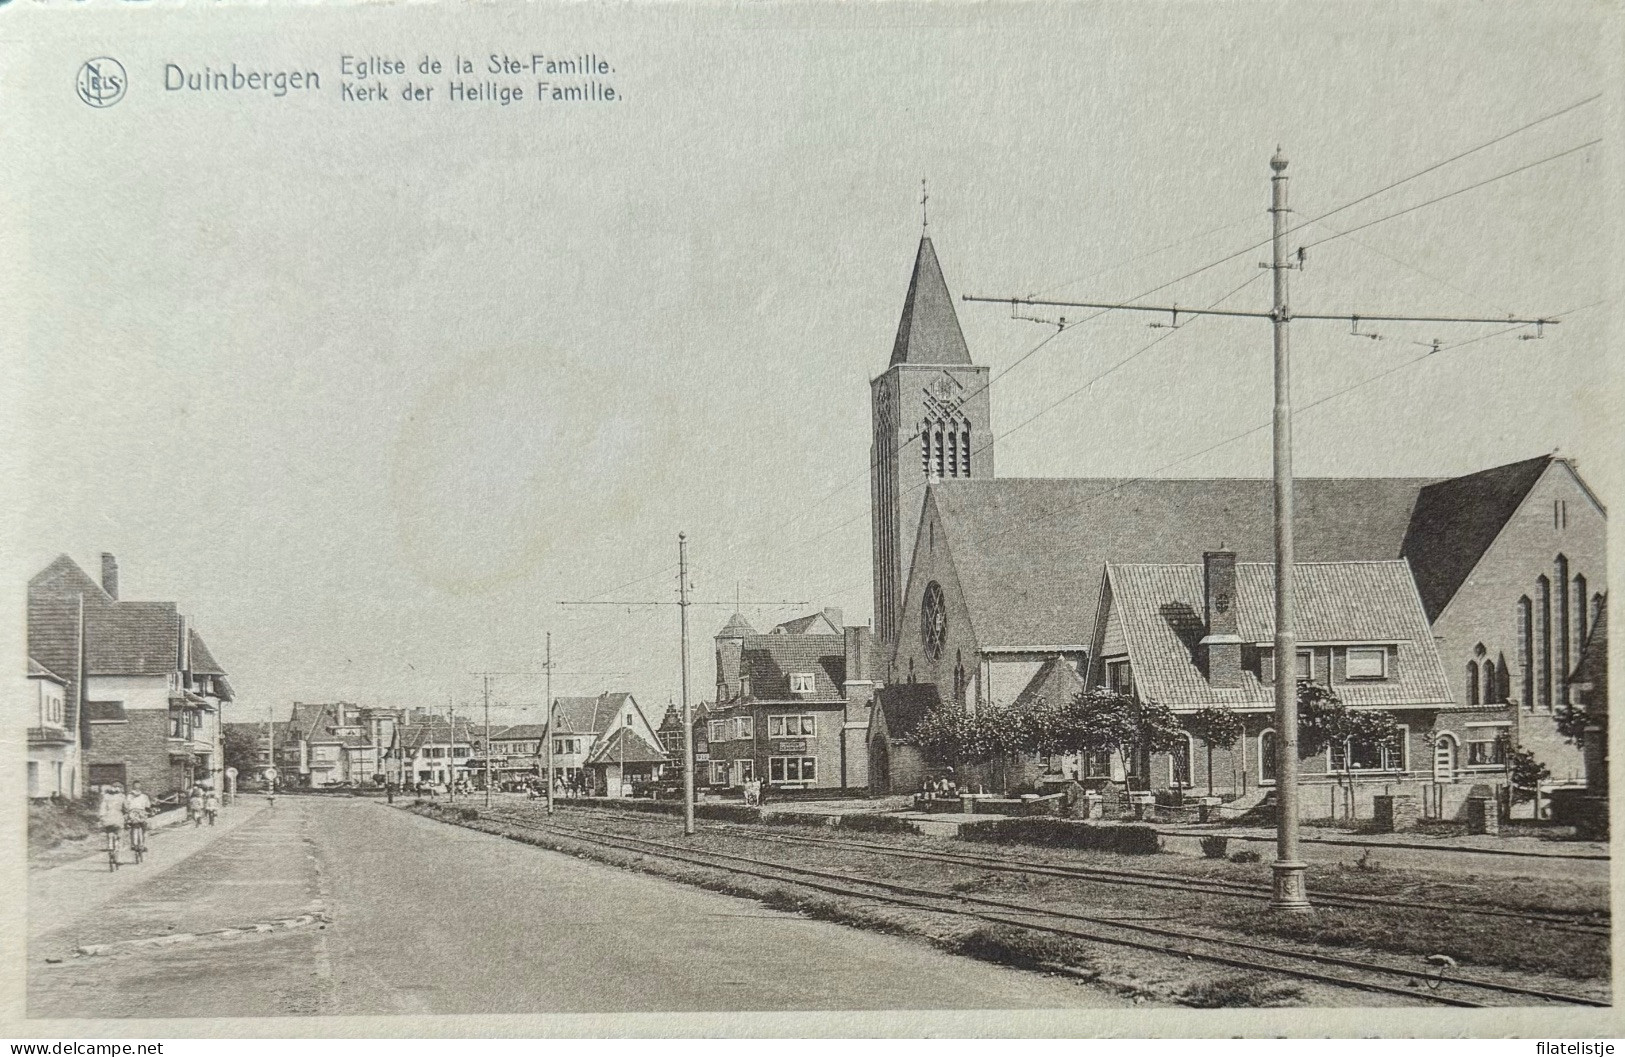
(368, 389)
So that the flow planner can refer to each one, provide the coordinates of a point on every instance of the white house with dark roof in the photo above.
(1197, 636)
(589, 749)
(53, 740)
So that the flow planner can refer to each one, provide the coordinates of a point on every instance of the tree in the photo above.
(1215, 726)
(952, 736)
(1572, 721)
(240, 748)
(1324, 721)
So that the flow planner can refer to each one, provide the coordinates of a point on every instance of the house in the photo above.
(336, 744)
(141, 687)
(982, 583)
(896, 764)
(1201, 636)
(517, 751)
(430, 749)
(792, 706)
(53, 743)
(590, 751)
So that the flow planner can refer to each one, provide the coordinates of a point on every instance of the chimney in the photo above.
(1221, 647)
(110, 575)
(834, 615)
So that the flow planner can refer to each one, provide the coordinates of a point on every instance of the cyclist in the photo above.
(110, 812)
(137, 809)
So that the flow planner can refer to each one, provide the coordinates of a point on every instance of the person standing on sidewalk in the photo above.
(194, 806)
(211, 805)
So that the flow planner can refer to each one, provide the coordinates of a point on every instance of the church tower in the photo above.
(932, 421)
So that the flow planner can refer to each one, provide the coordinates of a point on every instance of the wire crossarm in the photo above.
(1178, 310)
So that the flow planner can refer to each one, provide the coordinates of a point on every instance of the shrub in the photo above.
(1240, 991)
(1004, 945)
(1062, 833)
(867, 823)
(1214, 847)
(1246, 857)
(468, 814)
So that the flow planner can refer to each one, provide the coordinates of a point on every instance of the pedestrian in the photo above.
(211, 805)
(389, 792)
(194, 806)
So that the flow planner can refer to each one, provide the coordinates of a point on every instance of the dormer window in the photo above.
(801, 682)
(1367, 662)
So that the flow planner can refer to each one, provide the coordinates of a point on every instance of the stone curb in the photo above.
(91, 950)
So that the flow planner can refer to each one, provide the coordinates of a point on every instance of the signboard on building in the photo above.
(790, 745)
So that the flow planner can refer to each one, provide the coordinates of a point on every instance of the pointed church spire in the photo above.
(929, 331)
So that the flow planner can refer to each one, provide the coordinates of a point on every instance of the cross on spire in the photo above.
(925, 218)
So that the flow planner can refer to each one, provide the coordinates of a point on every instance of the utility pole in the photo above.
(688, 711)
(1288, 892)
(547, 725)
(487, 681)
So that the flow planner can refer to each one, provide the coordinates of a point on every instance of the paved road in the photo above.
(429, 918)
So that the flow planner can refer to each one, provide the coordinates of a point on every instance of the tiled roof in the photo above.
(929, 330)
(1056, 681)
(36, 670)
(1029, 553)
(132, 638)
(806, 625)
(587, 715)
(1455, 522)
(1592, 666)
(625, 746)
(521, 732)
(769, 660)
(416, 735)
(904, 705)
(203, 662)
(1161, 610)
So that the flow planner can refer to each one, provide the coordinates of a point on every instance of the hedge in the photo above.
(1060, 833)
(867, 823)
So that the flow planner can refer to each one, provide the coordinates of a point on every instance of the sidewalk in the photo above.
(61, 891)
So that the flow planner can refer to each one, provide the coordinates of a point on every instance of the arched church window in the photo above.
(1565, 651)
(1472, 683)
(1526, 649)
(937, 448)
(964, 452)
(953, 452)
(925, 449)
(1543, 641)
(1489, 682)
(1582, 618)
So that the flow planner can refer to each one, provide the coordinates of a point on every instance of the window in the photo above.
(801, 682)
(744, 727)
(1179, 764)
(1472, 682)
(1487, 744)
(1352, 755)
(1266, 757)
(1306, 666)
(719, 730)
(1367, 662)
(791, 726)
(719, 774)
(1120, 677)
(105, 774)
(747, 770)
(792, 768)
(105, 711)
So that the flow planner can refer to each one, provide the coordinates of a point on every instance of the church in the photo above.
(988, 589)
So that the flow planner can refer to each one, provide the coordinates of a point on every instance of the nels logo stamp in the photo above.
(101, 82)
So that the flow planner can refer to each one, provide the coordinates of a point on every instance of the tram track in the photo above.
(1432, 986)
(1580, 922)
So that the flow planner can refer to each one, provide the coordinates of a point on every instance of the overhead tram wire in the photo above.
(1155, 473)
(1027, 421)
(1435, 166)
(1452, 194)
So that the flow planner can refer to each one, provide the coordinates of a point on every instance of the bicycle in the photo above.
(112, 849)
(138, 840)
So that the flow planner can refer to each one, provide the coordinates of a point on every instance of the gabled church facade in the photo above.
(982, 585)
